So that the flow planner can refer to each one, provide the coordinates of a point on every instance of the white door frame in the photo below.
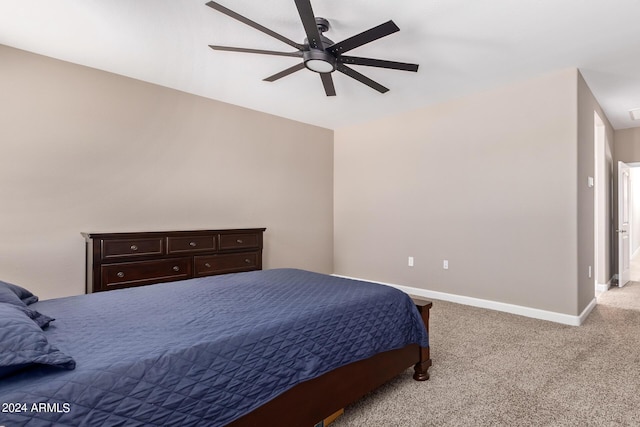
(601, 178)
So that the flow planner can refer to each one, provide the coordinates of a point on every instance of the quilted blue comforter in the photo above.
(205, 351)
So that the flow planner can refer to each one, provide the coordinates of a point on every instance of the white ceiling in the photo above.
(462, 46)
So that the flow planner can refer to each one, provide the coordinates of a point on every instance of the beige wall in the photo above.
(627, 145)
(487, 182)
(587, 105)
(635, 210)
(86, 150)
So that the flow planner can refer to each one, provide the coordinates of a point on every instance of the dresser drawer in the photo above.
(131, 247)
(123, 260)
(218, 264)
(191, 244)
(239, 241)
(127, 274)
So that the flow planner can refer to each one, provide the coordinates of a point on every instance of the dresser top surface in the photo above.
(168, 233)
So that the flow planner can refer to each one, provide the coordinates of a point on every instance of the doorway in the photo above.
(606, 211)
(634, 231)
(628, 230)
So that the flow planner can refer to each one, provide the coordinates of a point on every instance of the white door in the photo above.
(624, 216)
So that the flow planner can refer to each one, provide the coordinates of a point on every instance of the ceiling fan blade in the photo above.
(370, 62)
(327, 82)
(297, 54)
(309, 23)
(361, 78)
(249, 22)
(285, 73)
(365, 37)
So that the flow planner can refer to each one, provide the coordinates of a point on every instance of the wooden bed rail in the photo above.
(316, 399)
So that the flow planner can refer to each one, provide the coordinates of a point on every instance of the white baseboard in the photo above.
(535, 313)
(603, 287)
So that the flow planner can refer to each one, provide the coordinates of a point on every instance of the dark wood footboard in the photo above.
(422, 367)
(314, 400)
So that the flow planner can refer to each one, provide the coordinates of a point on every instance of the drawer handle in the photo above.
(206, 264)
(134, 248)
(193, 244)
(120, 274)
(176, 268)
(247, 261)
(239, 241)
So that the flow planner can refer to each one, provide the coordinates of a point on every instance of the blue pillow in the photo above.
(7, 296)
(26, 296)
(24, 344)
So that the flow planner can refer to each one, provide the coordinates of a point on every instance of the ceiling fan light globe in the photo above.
(319, 61)
(319, 66)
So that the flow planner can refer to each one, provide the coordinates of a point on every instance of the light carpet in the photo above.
(497, 369)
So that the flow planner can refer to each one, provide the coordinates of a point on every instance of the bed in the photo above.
(235, 349)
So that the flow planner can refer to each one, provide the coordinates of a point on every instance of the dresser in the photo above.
(124, 260)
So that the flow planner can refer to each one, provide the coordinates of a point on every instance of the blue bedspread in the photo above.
(203, 352)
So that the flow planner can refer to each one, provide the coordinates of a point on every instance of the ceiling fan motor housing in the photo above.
(320, 60)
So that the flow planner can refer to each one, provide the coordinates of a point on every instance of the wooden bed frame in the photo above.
(312, 401)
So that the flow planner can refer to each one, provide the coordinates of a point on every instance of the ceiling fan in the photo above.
(319, 54)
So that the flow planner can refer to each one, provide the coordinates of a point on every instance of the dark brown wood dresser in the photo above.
(123, 260)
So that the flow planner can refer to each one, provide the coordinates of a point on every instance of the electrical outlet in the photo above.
(589, 272)
(445, 264)
(410, 261)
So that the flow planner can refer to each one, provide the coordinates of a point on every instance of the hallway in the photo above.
(627, 297)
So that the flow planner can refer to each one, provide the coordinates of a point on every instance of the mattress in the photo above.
(203, 352)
